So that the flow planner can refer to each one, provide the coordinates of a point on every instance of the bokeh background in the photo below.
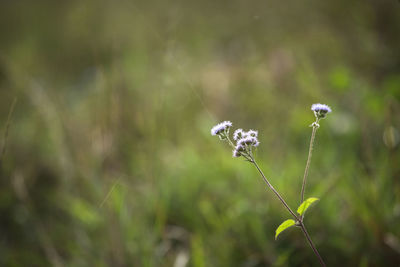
(107, 157)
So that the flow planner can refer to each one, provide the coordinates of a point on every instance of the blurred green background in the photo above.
(109, 159)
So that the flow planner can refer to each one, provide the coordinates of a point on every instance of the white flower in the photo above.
(221, 127)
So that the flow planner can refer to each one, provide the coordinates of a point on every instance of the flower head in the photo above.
(221, 128)
(256, 143)
(240, 147)
(236, 153)
(320, 110)
(248, 140)
(238, 134)
(252, 133)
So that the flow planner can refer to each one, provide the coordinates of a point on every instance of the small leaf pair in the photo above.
(290, 222)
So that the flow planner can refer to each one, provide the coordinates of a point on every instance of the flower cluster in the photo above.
(221, 129)
(320, 110)
(245, 141)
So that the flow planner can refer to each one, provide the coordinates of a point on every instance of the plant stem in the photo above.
(7, 126)
(303, 187)
(303, 228)
(299, 220)
(273, 189)
(230, 142)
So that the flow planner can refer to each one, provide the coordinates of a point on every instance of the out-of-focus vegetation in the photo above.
(109, 159)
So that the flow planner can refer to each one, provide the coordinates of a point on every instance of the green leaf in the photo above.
(306, 203)
(286, 224)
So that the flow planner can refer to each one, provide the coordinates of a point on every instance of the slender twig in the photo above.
(273, 189)
(251, 159)
(230, 141)
(7, 126)
(109, 193)
(303, 228)
(303, 187)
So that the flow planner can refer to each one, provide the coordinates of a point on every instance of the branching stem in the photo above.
(298, 219)
(248, 155)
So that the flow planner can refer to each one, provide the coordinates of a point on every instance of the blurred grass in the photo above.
(109, 160)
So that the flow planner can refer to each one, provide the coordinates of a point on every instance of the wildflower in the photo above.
(236, 153)
(238, 134)
(320, 110)
(249, 140)
(252, 133)
(256, 143)
(244, 140)
(221, 129)
(240, 147)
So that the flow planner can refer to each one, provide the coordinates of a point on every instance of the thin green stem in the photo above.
(273, 189)
(303, 228)
(230, 142)
(303, 187)
(7, 126)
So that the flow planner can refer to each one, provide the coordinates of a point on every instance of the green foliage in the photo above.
(283, 226)
(305, 205)
(84, 212)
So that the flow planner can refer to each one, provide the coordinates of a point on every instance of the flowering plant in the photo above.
(247, 141)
